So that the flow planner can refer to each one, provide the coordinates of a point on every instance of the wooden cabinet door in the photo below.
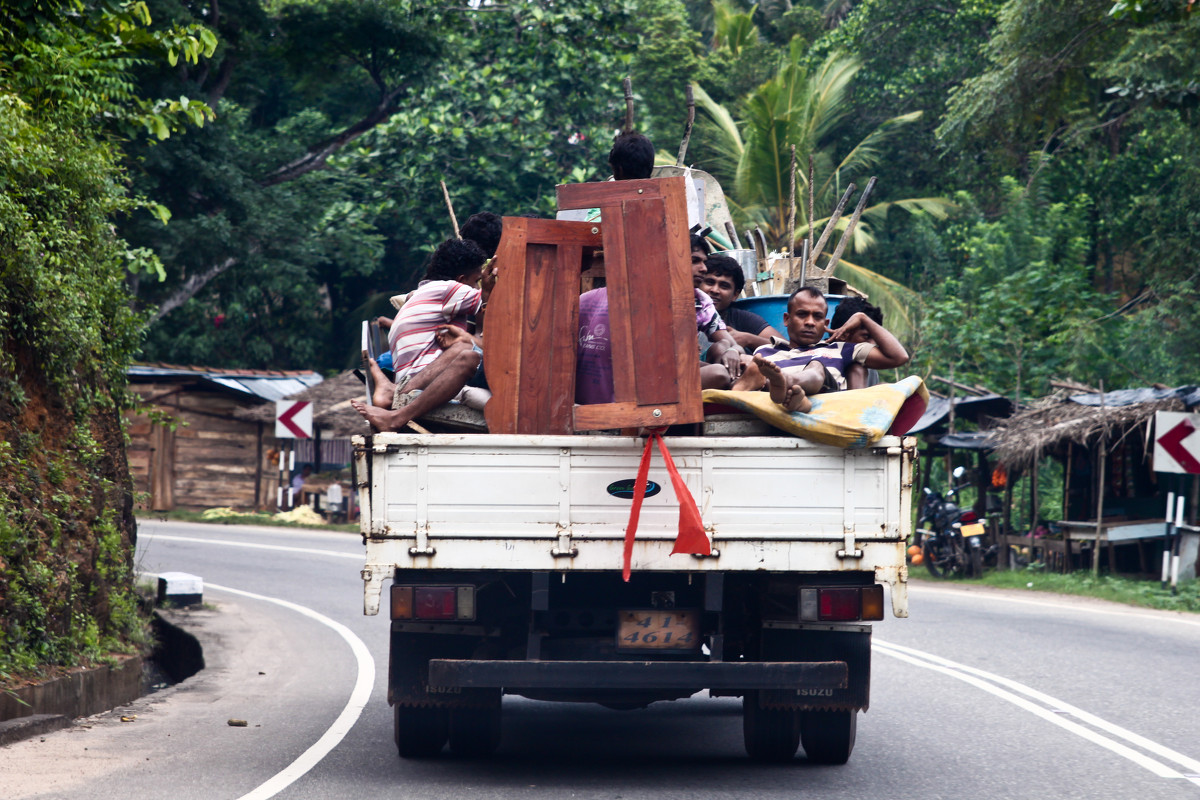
(532, 323)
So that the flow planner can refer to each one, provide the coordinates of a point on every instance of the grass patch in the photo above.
(1142, 593)
(243, 518)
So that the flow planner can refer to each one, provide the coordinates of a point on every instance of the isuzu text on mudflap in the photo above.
(512, 556)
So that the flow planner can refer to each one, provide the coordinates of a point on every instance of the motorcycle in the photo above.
(952, 539)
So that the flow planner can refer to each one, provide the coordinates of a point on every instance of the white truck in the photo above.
(505, 553)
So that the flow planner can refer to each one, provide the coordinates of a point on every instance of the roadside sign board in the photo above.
(293, 419)
(1177, 442)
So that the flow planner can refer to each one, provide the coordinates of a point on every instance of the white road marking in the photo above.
(359, 696)
(252, 545)
(980, 679)
(1181, 618)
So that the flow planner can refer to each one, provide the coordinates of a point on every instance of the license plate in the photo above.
(658, 630)
(974, 529)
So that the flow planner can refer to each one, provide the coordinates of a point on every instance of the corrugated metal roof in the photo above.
(1190, 395)
(265, 384)
(968, 407)
(267, 388)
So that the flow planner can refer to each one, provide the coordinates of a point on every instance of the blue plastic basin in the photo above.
(772, 306)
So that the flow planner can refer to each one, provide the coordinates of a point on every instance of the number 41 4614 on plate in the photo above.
(671, 629)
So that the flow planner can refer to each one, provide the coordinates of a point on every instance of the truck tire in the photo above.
(419, 732)
(771, 734)
(828, 736)
(475, 732)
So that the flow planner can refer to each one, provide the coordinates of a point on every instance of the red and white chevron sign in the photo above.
(1177, 442)
(293, 419)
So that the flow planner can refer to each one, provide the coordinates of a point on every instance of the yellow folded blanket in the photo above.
(851, 419)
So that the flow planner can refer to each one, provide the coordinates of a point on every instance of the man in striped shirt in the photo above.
(428, 375)
(804, 365)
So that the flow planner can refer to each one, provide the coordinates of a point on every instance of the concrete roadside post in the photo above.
(179, 589)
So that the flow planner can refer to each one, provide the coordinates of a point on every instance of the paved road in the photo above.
(979, 694)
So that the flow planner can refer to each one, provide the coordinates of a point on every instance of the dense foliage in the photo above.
(315, 193)
(67, 329)
(317, 189)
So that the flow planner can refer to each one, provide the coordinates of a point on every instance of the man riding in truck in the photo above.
(805, 365)
(427, 375)
(723, 282)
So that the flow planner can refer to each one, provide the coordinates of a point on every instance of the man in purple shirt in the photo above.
(593, 371)
(632, 158)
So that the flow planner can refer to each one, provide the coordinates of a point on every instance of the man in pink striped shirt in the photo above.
(426, 374)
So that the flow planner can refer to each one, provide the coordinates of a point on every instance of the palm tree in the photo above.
(753, 160)
(733, 29)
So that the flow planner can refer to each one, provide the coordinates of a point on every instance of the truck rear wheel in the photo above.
(475, 732)
(419, 732)
(828, 736)
(771, 734)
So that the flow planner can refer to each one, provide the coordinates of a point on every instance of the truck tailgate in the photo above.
(469, 501)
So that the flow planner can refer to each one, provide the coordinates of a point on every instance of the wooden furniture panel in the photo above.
(532, 325)
(652, 321)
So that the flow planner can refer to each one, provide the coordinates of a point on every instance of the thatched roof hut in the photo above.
(1055, 422)
(1103, 444)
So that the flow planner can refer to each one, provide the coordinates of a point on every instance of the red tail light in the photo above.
(434, 602)
(969, 516)
(839, 605)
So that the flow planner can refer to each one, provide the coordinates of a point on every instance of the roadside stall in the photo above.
(1113, 501)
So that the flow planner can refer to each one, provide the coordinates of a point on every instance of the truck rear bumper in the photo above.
(465, 673)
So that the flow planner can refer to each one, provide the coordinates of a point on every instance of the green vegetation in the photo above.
(67, 329)
(1147, 594)
(1040, 150)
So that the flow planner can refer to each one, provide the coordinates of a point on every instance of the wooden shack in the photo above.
(188, 449)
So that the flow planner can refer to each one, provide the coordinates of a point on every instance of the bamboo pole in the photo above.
(450, 208)
(812, 202)
(628, 84)
(850, 226)
(832, 224)
(687, 130)
(1033, 511)
(1066, 506)
(791, 243)
(952, 387)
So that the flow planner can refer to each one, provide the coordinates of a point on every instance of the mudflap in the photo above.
(850, 645)
(408, 672)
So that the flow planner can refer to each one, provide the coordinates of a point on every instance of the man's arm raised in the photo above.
(888, 351)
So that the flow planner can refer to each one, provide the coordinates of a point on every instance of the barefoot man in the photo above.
(805, 365)
(434, 356)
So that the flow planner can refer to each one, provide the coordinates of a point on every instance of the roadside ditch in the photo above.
(54, 704)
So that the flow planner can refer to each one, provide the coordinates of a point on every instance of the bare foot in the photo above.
(384, 389)
(381, 419)
(751, 380)
(784, 389)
